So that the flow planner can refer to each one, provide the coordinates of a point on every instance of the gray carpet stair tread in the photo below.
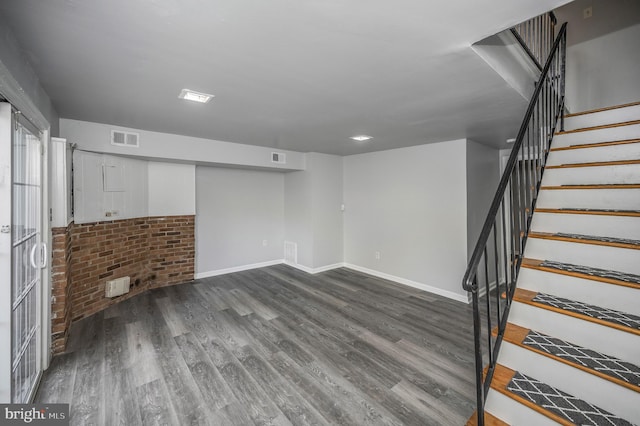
(595, 272)
(599, 238)
(593, 311)
(605, 364)
(561, 403)
(601, 210)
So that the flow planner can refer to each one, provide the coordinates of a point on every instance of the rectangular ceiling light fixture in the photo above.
(192, 95)
(361, 138)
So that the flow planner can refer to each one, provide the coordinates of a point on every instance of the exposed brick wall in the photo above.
(153, 251)
(60, 288)
(172, 249)
(103, 251)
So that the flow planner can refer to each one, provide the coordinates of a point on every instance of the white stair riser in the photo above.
(594, 136)
(587, 224)
(617, 297)
(608, 340)
(618, 115)
(596, 256)
(628, 173)
(603, 393)
(514, 413)
(627, 151)
(621, 199)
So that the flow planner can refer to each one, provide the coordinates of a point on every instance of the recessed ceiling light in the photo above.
(192, 95)
(361, 138)
(511, 140)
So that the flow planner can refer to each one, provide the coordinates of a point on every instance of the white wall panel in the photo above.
(172, 189)
(239, 218)
(410, 206)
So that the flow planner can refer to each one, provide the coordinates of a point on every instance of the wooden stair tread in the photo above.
(529, 297)
(596, 144)
(594, 186)
(518, 336)
(596, 212)
(587, 239)
(489, 420)
(540, 265)
(595, 164)
(502, 377)
(600, 127)
(560, 406)
(609, 108)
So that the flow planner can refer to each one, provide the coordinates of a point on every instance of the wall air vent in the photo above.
(278, 157)
(120, 138)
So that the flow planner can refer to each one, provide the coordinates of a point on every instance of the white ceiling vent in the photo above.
(278, 157)
(120, 138)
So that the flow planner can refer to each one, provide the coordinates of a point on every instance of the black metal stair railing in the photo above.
(495, 262)
(536, 37)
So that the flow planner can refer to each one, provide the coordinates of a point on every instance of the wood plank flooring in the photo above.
(270, 346)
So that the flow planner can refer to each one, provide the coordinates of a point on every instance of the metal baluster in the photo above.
(495, 253)
(478, 352)
(488, 303)
(505, 262)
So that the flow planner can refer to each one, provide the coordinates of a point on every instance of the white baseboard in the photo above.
(410, 283)
(237, 269)
(309, 270)
(483, 290)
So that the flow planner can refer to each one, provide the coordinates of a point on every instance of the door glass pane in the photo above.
(26, 283)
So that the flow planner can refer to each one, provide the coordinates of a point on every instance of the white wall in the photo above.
(236, 210)
(151, 188)
(298, 215)
(409, 204)
(503, 53)
(164, 146)
(604, 71)
(327, 194)
(483, 175)
(93, 203)
(313, 219)
(172, 189)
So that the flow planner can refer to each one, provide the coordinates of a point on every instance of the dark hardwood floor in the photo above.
(271, 346)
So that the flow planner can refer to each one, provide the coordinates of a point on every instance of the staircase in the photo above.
(570, 353)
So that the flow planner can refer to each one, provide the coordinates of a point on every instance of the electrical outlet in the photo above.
(588, 12)
(264, 243)
(377, 255)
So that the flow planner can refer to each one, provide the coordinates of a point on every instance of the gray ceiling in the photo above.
(292, 74)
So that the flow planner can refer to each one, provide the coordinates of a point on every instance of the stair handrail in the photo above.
(514, 201)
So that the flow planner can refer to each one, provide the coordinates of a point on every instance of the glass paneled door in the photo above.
(28, 256)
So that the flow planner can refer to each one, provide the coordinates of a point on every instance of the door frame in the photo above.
(15, 94)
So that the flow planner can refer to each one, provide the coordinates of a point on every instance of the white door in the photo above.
(24, 252)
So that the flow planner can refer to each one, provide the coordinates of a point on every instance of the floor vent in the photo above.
(117, 287)
(120, 138)
(290, 252)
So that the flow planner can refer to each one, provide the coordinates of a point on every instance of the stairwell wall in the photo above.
(410, 206)
(483, 175)
(603, 71)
